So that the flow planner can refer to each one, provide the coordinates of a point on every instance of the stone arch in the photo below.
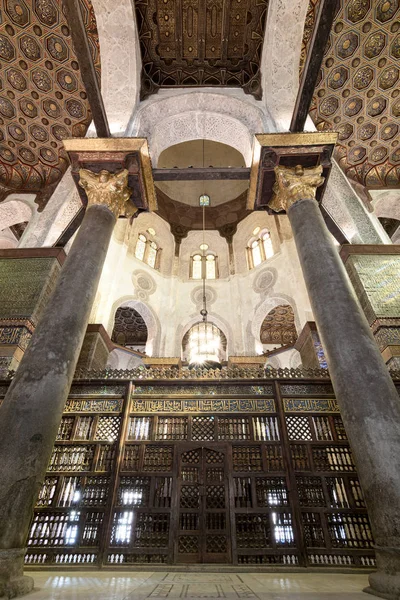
(264, 308)
(120, 60)
(386, 203)
(7, 240)
(149, 317)
(281, 58)
(167, 120)
(13, 212)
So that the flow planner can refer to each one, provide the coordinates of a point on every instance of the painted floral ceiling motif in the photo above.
(42, 97)
(358, 92)
(193, 43)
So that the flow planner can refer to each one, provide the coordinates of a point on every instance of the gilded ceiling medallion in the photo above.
(17, 11)
(7, 51)
(357, 10)
(386, 10)
(30, 48)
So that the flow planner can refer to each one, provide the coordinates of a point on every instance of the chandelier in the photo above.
(204, 338)
(204, 345)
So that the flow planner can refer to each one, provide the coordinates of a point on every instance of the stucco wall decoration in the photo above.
(42, 97)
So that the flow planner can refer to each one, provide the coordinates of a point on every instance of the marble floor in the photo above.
(108, 585)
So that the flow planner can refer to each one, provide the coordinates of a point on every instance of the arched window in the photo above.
(140, 246)
(147, 250)
(196, 266)
(210, 266)
(259, 247)
(152, 254)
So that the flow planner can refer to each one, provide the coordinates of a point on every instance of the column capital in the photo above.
(108, 189)
(294, 184)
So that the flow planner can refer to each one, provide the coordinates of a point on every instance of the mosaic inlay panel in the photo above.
(376, 280)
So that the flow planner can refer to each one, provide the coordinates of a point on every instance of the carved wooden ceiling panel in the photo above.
(278, 326)
(129, 328)
(358, 93)
(42, 97)
(194, 43)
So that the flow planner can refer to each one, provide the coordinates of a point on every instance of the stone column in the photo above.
(32, 409)
(368, 400)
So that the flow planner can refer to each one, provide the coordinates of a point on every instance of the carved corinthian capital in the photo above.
(109, 189)
(294, 184)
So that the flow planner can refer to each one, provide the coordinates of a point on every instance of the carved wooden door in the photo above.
(202, 524)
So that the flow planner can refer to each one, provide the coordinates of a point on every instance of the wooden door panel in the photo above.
(203, 503)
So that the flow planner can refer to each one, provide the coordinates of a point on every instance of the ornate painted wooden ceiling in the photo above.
(278, 326)
(42, 97)
(191, 43)
(129, 328)
(358, 93)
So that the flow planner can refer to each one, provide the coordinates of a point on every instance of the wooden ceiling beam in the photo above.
(200, 174)
(86, 65)
(323, 24)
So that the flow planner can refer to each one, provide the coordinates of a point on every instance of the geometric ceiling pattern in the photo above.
(129, 328)
(42, 97)
(278, 326)
(194, 43)
(358, 90)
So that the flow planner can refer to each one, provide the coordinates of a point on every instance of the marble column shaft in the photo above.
(369, 403)
(31, 412)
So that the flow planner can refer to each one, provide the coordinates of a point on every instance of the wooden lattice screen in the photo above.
(240, 472)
